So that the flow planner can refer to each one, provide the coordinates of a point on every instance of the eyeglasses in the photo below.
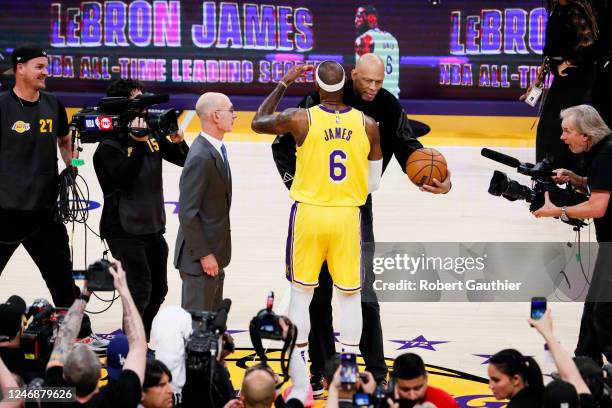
(226, 110)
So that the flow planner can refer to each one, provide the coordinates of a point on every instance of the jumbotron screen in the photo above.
(448, 49)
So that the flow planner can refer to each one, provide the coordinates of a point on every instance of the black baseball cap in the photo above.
(10, 317)
(27, 52)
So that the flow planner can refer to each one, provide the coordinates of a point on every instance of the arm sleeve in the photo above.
(62, 126)
(119, 168)
(374, 174)
(283, 147)
(175, 153)
(192, 187)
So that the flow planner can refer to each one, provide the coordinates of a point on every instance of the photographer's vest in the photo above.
(141, 207)
(28, 153)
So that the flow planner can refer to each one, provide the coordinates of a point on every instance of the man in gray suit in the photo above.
(203, 245)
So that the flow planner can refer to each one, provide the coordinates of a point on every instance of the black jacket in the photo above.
(396, 135)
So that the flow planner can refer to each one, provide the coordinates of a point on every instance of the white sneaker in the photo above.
(94, 342)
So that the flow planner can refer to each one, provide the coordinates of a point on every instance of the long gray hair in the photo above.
(587, 121)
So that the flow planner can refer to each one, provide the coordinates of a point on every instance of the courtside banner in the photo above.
(489, 271)
(430, 49)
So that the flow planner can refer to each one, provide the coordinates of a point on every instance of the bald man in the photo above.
(258, 389)
(364, 92)
(203, 245)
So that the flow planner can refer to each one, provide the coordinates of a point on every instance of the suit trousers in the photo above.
(46, 240)
(321, 340)
(202, 292)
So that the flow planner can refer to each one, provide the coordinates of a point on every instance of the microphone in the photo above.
(500, 157)
(121, 104)
(221, 317)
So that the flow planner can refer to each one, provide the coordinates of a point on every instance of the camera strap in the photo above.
(288, 347)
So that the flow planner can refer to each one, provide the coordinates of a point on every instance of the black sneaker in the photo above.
(316, 382)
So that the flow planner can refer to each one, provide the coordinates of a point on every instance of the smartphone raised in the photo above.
(348, 370)
(361, 400)
(538, 307)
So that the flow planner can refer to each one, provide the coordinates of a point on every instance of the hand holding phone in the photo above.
(538, 307)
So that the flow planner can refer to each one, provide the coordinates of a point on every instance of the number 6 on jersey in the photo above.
(337, 169)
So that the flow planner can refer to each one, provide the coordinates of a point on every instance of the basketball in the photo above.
(424, 165)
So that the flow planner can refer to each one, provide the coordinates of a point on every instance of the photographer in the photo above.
(79, 367)
(129, 169)
(341, 397)
(11, 327)
(585, 132)
(408, 384)
(170, 336)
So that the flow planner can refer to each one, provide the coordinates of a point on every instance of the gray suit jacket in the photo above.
(204, 204)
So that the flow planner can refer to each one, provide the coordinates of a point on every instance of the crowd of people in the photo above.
(330, 241)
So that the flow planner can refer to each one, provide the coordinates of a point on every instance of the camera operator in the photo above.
(200, 391)
(79, 367)
(585, 132)
(129, 169)
(182, 341)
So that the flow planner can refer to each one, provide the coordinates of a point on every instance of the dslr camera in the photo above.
(203, 344)
(113, 115)
(266, 322)
(97, 275)
(541, 175)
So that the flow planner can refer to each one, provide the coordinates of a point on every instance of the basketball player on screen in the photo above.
(339, 161)
(371, 39)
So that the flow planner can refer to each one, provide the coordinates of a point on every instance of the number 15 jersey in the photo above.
(332, 162)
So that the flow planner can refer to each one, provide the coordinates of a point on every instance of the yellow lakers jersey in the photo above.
(332, 163)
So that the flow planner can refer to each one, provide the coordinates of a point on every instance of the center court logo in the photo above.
(20, 126)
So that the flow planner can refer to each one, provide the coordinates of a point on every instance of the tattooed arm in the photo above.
(132, 325)
(68, 331)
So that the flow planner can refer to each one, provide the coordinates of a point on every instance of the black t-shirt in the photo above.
(28, 151)
(526, 398)
(119, 167)
(62, 129)
(126, 392)
(599, 173)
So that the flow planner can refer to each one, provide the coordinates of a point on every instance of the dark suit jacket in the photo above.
(204, 204)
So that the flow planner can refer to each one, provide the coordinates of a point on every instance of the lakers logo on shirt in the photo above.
(20, 126)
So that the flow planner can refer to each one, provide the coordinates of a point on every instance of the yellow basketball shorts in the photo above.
(317, 234)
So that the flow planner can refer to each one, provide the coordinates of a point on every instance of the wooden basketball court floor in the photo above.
(449, 335)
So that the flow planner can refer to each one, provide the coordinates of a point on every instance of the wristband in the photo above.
(84, 297)
(283, 84)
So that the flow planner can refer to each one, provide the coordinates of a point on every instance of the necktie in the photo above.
(225, 162)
